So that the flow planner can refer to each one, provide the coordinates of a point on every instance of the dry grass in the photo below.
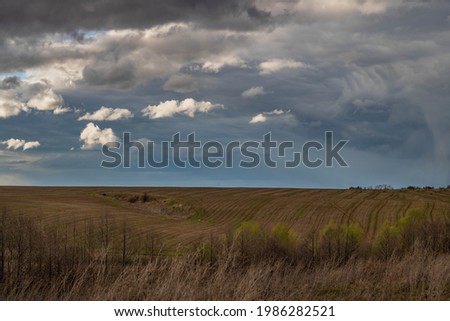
(249, 264)
(415, 276)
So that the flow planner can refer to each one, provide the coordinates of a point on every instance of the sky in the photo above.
(75, 75)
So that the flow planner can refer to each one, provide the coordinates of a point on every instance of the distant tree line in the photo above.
(389, 187)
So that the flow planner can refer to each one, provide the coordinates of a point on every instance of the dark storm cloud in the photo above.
(23, 17)
(419, 16)
(180, 83)
(10, 83)
(125, 59)
(118, 74)
(393, 126)
(20, 53)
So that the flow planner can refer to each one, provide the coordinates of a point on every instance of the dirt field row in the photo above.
(185, 215)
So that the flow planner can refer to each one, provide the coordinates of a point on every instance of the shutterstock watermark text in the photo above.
(189, 152)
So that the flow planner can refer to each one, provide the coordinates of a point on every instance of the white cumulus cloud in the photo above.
(93, 136)
(30, 145)
(186, 107)
(46, 100)
(26, 95)
(61, 110)
(275, 65)
(263, 117)
(107, 113)
(10, 106)
(221, 62)
(14, 143)
(254, 91)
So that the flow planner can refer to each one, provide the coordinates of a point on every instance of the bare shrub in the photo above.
(338, 243)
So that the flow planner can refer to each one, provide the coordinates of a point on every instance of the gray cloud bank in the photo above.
(23, 17)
